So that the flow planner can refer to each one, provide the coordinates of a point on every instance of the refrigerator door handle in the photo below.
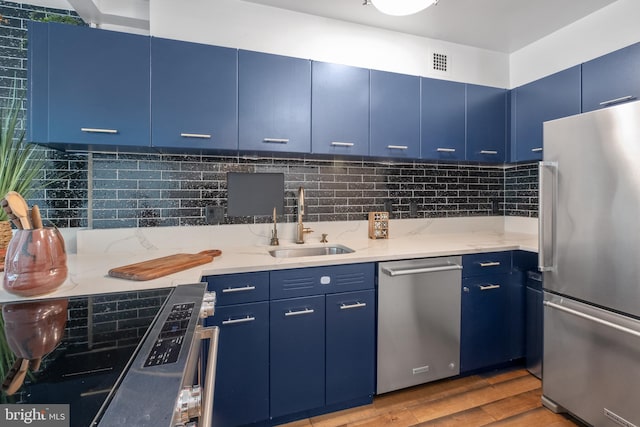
(547, 206)
(592, 318)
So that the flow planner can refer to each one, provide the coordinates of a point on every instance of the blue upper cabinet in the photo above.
(97, 86)
(611, 79)
(552, 97)
(194, 93)
(339, 109)
(274, 103)
(486, 123)
(395, 115)
(443, 119)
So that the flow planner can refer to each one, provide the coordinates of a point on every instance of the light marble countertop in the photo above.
(245, 248)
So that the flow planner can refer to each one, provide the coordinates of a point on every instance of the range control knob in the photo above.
(208, 307)
(188, 405)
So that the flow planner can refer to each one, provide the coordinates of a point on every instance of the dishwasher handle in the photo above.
(419, 270)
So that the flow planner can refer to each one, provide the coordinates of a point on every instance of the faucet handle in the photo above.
(324, 238)
(307, 230)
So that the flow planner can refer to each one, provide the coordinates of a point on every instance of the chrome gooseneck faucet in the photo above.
(300, 228)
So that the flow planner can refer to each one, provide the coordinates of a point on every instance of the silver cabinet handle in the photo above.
(391, 272)
(489, 264)
(537, 150)
(465, 289)
(240, 320)
(276, 140)
(547, 205)
(488, 152)
(446, 150)
(397, 147)
(350, 306)
(593, 319)
(210, 333)
(243, 289)
(618, 100)
(98, 130)
(196, 135)
(489, 287)
(300, 312)
(342, 144)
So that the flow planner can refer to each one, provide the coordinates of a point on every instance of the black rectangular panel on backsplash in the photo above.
(251, 194)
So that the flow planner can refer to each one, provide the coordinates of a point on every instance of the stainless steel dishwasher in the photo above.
(418, 321)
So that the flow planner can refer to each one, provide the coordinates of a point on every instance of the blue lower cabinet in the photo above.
(350, 346)
(242, 374)
(484, 332)
(516, 315)
(297, 350)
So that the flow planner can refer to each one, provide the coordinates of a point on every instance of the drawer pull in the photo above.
(490, 264)
(342, 144)
(243, 289)
(537, 150)
(489, 287)
(300, 312)
(446, 150)
(240, 320)
(350, 306)
(276, 140)
(98, 130)
(397, 147)
(196, 135)
(617, 100)
(488, 152)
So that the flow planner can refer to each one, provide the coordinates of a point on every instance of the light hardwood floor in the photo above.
(501, 398)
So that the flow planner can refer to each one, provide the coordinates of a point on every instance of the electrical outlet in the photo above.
(214, 214)
(388, 207)
(495, 206)
(413, 209)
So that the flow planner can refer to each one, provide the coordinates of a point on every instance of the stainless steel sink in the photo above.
(310, 251)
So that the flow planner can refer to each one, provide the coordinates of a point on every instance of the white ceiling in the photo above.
(498, 25)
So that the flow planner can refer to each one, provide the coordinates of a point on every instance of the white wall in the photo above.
(250, 26)
(611, 28)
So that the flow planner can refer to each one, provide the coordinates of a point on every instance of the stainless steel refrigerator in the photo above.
(590, 258)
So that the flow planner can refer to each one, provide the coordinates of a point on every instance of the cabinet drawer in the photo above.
(487, 263)
(320, 280)
(239, 288)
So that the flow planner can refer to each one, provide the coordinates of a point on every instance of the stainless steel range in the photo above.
(120, 359)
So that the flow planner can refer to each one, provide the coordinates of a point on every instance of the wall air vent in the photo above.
(439, 62)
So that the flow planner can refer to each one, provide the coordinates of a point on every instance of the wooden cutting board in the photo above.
(154, 268)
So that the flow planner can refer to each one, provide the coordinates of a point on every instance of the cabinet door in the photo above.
(484, 334)
(297, 333)
(274, 103)
(486, 123)
(443, 119)
(98, 87)
(395, 115)
(516, 312)
(611, 79)
(242, 374)
(340, 109)
(350, 345)
(552, 97)
(194, 92)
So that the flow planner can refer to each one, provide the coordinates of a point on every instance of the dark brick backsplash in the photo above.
(149, 190)
(521, 190)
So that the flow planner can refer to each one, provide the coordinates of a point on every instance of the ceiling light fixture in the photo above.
(402, 7)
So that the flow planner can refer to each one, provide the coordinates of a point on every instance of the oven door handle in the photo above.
(211, 333)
